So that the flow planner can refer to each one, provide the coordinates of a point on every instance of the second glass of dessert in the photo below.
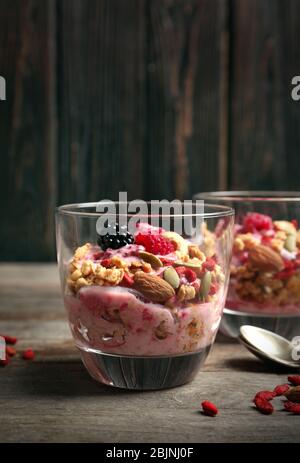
(264, 285)
(144, 303)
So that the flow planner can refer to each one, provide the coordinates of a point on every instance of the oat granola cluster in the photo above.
(175, 271)
(266, 261)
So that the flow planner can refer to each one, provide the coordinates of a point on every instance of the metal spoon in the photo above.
(267, 345)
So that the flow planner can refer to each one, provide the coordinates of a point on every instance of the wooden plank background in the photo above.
(159, 98)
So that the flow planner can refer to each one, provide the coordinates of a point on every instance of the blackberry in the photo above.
(115, 238)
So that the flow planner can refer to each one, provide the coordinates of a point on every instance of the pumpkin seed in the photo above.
(290, 242)
(151, 259)
(205, 285)
(191, 265)
(172, 277)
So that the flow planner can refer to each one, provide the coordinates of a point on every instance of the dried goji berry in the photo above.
(106, 263)
(265, 395)
(295, 380)
(264, 406)
(28, 354)
(10, 351)
(190, 275)
(281, 389)
(213, 289)
(243, 256)
(127, 280)
(209, 408)
(180, 270)
(295, 223)
(4, 362)
(209, 264)
(9, 339)
(292, 407)
(288, 404)
(266, 239)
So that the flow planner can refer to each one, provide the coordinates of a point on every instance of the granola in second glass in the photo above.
(265, 268)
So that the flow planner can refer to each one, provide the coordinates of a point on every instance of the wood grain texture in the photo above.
(159, 98)
(52, 399)
(264, 120)
(184, 96)
(27, 129)
(101, 98)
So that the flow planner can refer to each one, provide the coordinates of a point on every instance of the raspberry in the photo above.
(281, 389)
(155, 243)
(209, 408)
(28, 354)
(254, 221)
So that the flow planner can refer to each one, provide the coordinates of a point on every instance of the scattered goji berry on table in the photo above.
(264, 406)
(28, 354)
(292, 407)
(295, 380)
(10, 351)
(4, 362)
(209, 408)
(9, 339)
(265, 395)
(281, 389)
(288, 405)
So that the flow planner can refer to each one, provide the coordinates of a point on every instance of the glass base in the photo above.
(287, 326)
(143, 373)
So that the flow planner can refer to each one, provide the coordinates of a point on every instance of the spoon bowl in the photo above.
(267, 345)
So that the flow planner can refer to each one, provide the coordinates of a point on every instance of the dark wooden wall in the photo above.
(159, 98)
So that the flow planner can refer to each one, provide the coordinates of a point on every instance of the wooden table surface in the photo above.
(53, 399)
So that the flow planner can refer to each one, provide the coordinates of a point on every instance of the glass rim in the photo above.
(250, 195)
(72, 210)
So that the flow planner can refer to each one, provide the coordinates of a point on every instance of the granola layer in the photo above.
(265, 269)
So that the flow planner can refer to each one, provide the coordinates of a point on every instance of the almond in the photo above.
(293, 394)
(265, 259)
(151, 259)
(153, 287)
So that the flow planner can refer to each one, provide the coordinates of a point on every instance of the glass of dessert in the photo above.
(264, 288)
(144, 302)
